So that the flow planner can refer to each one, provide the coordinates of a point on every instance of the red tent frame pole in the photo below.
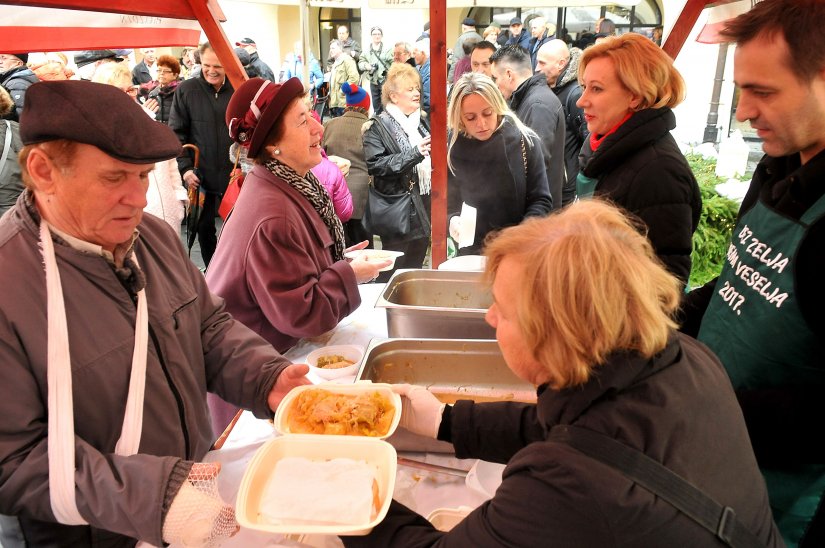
(438, 128)
(208, 17)
(684, 24)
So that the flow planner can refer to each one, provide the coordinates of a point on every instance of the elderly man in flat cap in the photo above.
(110, 340)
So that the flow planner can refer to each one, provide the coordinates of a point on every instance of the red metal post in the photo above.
(684, 24)
(208, 14)
(438, 126)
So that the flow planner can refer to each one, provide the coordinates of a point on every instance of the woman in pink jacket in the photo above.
(333, 180)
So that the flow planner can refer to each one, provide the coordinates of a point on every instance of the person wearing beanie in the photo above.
(468, 30)
(126, 340)
(16, 77)
(342, 137)
(280, 263)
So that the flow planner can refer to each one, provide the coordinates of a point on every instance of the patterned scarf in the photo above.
(312, 189)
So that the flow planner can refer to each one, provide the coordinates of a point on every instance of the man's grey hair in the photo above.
(423, 45)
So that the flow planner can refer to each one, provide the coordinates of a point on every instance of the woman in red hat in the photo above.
(280, 262)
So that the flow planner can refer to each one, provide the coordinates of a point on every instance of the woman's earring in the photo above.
(277, 151)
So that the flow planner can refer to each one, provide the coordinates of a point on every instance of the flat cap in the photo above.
(515, 21)
(245, 42)
(469, 21)
(95, 114)
(83, 58)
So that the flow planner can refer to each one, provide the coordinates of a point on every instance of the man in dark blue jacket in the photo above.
(518, 34)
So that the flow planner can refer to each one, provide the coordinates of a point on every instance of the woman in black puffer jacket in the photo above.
(629, 87)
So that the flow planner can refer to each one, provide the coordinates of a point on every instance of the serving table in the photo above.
(420, 489)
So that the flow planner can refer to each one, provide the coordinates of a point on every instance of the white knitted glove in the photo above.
(198, 516)
(420, 410)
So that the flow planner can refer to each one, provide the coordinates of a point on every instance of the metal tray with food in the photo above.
(452, 369)
(437, 304)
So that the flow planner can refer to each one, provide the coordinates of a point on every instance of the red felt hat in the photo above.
(255, 107)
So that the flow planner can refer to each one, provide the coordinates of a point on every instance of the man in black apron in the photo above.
(762, 316)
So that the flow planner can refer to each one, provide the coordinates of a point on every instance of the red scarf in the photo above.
(596, 141)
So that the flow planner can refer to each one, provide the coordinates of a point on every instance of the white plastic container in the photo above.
(444, 519)
(376, 453)
(350, 352)
(282, 414)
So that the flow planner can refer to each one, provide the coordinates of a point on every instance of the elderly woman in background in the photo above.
(164, 92)
(397, 150)
(583, 309)
(165, 197)
(491, 35)
(496, 162)
(280, 262)
(629, 86)
(342, 137)
(11, 183)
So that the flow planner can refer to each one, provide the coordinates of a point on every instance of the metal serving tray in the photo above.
(436, 304)
(452, 369)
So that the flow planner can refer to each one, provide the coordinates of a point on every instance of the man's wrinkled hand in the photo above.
(294, 375)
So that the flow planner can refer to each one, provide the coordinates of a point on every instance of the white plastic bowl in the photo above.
(350, 352)
(464, 263)
(376, 255)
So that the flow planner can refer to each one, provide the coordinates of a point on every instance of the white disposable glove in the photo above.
(420, 410)
(455, 228)
(198, 516)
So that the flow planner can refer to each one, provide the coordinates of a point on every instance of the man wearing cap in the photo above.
(260, 68)
(198, 117)
(111, 340)
(375, 63)
(87, 61)
(518, 35)
(468, 30)
(16, 77)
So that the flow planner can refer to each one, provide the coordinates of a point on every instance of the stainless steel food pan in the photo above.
(436, 304)
(452, 369)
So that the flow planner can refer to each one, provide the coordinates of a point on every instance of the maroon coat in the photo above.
(273, 265)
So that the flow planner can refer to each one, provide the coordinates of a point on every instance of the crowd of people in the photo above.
(584, 207)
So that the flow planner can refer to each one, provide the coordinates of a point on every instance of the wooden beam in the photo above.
(438, 128)
(208, 18)
(683, 26)
(176, 9)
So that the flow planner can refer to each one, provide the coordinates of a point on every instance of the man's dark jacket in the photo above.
(198, 117)
(260, 68)
(17, 81)
(540, 110)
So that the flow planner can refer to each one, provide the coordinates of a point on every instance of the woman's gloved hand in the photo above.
(198, 516)
(420, 410)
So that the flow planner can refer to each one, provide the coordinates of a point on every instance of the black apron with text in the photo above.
(755, 326)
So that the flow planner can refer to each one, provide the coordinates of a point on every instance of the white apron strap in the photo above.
(61, 442)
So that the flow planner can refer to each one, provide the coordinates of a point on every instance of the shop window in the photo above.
(329, 19)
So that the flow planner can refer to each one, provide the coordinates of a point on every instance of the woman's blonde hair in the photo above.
(399, 76)
(490, 30)
(642, 67)
(591, 286)
(113, 74)
(475, 83)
